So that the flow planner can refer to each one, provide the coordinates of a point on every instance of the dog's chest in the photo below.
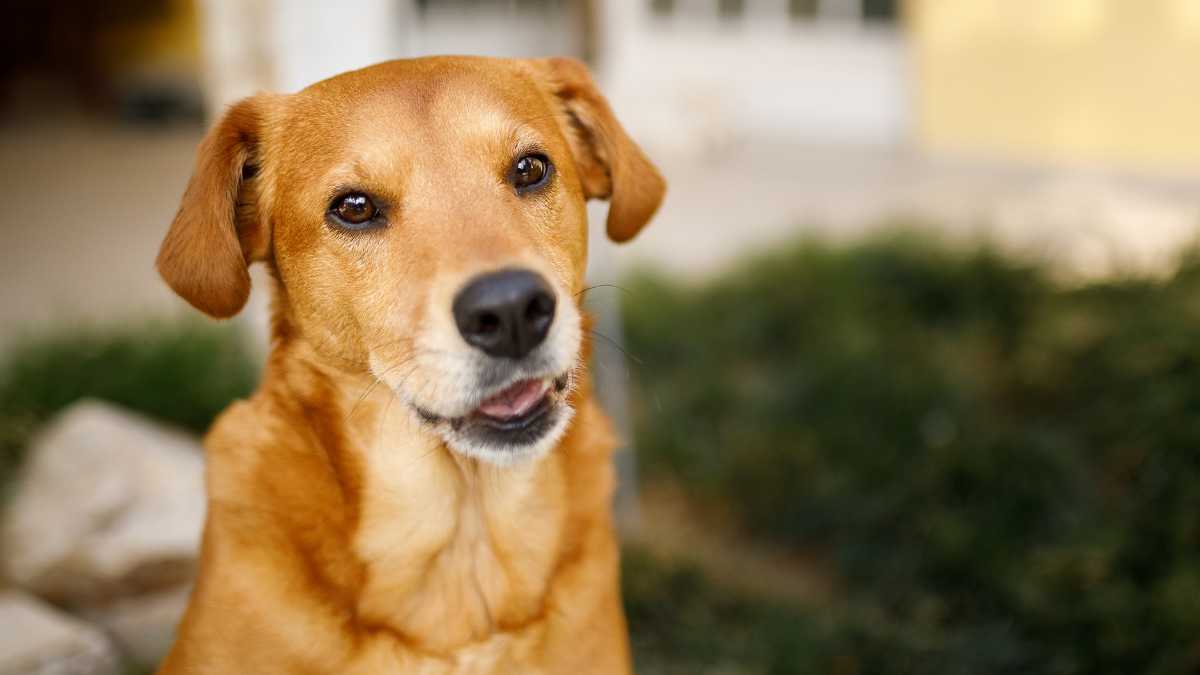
(455, 554)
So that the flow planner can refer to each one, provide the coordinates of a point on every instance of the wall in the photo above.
(1110, 82)
(495, 29)
(691, 82)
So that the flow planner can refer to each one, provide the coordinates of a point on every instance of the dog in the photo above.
(422, 481)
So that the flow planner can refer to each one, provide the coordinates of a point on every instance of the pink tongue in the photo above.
(514, 401)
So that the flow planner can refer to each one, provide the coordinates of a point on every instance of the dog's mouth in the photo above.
(520, 414)
(516, 406)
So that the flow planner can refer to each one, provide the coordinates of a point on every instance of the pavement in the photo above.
(725, 202)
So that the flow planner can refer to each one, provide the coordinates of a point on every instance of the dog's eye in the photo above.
(530, 172)
(354, 210)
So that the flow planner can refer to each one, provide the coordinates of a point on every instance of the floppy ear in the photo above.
(217, 231)
(611, 166)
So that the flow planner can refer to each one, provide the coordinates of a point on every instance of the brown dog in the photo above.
(421, 484)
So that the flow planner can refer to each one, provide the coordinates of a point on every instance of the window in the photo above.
(662, 7)
(730, 9)
(517, 5)
(879, 10)
(802, 9)
(822, 12)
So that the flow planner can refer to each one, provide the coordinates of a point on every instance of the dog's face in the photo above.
(426, 220)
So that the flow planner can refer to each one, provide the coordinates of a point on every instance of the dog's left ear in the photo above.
(219, 230)
(611, 166)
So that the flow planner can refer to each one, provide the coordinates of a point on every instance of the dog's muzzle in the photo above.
(521, 382)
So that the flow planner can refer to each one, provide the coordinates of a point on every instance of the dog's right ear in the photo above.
(611, 165)
(218, 230)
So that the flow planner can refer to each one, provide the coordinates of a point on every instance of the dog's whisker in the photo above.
(376, 380)
(428, 453)
(613, 343)
(595, 286)
(379, 436)
(422, 457)
(404, 378)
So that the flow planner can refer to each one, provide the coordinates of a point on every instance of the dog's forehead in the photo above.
(448, 96)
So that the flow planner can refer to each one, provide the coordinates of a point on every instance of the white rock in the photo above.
(143, 626)
(109, 504)
(36, 639)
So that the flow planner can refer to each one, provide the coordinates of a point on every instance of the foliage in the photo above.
(183, 374)
(682, 622)
(1004, 468)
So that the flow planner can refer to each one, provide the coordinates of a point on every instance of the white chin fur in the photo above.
(509, 455)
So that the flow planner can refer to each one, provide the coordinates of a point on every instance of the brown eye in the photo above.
(354, 210)
(530, 172)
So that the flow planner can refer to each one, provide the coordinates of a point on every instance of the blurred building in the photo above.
(139, 59)
(1059, 125)
(686, 73)
(1105, 82)
(692, 74)
(1097, 82)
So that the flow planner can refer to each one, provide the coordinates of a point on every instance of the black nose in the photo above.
(505, 313)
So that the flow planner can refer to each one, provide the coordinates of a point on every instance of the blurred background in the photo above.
(908, 364)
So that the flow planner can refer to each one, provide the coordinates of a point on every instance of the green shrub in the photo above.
(1005, 470)
(183, 374)
(1003, 465)
(681, 622)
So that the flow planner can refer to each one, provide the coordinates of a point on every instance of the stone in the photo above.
(37, 639)
(142, 626)
(109, 504)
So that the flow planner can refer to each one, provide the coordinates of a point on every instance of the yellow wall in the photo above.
(1114, 82)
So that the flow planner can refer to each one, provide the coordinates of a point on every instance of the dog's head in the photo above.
(426, 222)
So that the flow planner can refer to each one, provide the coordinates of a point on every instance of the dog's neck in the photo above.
(450, 550)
